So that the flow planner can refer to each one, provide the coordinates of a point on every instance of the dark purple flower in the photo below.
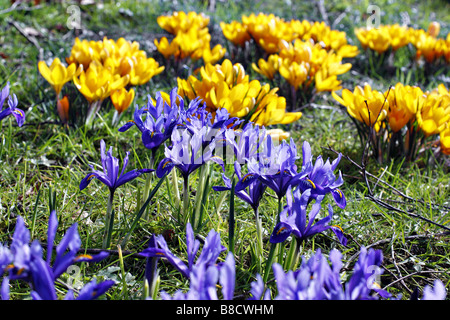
(294, 220)
(188, 152)
(275, 167)
(25, 261)
(110, 175)
(12, 106)
(437, 293)
(252, 194)
(161, 118)
(209, 255)
(320, 178)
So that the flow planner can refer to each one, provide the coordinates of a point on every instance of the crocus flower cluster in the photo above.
(23, 260)
(267, 30)
(11, 109)
(227, 86)
(191, 38)
(304, 63)
(406, 111)
(102, 69)
(428, 45)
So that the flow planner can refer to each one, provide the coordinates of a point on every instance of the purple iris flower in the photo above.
(320, 178)
(258, 290)
(275, 167)
(161, 118)
(12, 104)
(25, 261)
(204, 279)
(364, 276)
(209, 255)
(188, 152)
(317, 279)
(246, 142)
(44, 285)
(437, 293)
(110, 175)
(252, 195)
(293, 219)
(306, 283)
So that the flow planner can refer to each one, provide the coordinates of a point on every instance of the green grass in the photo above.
(44, 159)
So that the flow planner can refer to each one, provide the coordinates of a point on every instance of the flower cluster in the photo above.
(302, 63)
(394, 37)
(25, 261)
(268, 30)
(101, 69)
(402, 110)
(226, 86)
(317, 278)
(384, 37)
(191, 38)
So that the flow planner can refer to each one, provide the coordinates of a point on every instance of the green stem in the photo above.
(148, 180)
(185, 198)
(199, 196)
(141, 211)
(108, 222)
(259, 244)
(231, 221)
(273, 246)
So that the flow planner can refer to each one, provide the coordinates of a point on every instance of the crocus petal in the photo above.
(4, 291)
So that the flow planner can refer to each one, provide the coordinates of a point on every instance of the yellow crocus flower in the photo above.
(404, 101)
(181, 22)
(143, 70)
(84, 51)
(214, 55)
(122, 99)
(97, 82)
(294, 73)
(57, 74)
(444, 139)
(268, 68)
(235, 32)
(375, 39)
(434, 113)
(365, 105)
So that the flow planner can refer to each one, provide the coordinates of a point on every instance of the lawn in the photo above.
(397, 201)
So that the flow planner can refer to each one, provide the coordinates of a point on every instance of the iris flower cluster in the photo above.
(317, 278)
(25, 261)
